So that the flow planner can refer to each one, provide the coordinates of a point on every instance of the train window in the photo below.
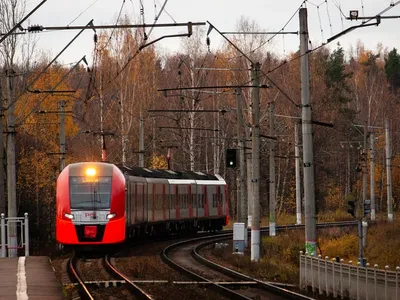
(90, 195)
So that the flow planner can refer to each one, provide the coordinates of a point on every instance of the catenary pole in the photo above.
(308, 151)
(297, 168)
(272, 192)
(62, 135)
(255, 225)
(388, 173)
(248, 153)
(241, 173)
(364, 164)
(141, 141)
(372, 180)
(2, 164)
(365, 185)
(11, 176)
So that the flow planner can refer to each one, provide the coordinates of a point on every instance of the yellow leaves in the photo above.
(158, 162)
(333, 199)
(342, 246)
(45, 126)
(364, 56)
(36, 169)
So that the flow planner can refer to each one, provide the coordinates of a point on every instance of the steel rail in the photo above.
(260, 284)
(221, 288)
(73, 273)
(212, 285)
(136, 290)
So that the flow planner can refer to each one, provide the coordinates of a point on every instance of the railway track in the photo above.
(83, 289)
(86, 289)
(185, 257)
(135, 289)
(188, 262)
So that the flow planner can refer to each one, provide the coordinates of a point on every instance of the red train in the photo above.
(103, 204)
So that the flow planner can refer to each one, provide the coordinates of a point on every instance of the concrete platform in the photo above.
(30, 278)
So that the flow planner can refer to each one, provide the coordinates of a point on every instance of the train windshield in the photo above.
(90, 194)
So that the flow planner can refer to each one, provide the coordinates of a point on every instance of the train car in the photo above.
(171, 201)
(90, 204)
(103, 204)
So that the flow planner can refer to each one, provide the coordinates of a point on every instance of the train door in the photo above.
(177, 202)
(131, 202)
(192, 201)
(184, 201)
(200, 200)
(128, 203)
(151, 201)
(226, 204)
(207, 190)
(219, 195)
(211, 195)
(172, 201)
(141, 201)
(159, 191)
(165, 195)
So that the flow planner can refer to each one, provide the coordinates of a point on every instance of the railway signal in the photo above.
(367, 207)
(351, 207)
(231, 158)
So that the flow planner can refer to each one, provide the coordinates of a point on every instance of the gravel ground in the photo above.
(139, 263)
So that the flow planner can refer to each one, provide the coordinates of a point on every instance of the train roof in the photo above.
(167, 174)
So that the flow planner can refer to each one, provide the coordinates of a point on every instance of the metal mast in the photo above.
(308, 151)
(255, 224)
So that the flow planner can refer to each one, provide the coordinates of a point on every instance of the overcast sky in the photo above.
(325, 20)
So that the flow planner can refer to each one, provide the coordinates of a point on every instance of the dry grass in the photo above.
(280, 254)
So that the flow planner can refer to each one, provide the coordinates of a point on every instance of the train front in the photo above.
(90, 200)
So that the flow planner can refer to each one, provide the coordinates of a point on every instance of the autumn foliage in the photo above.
(107, 99)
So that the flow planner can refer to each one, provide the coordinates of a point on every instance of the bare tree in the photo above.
(11, 11)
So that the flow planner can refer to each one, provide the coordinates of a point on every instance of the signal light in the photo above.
(367, 207)
(352, 207)
(231, 158)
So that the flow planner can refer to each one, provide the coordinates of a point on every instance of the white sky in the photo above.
(270, 15)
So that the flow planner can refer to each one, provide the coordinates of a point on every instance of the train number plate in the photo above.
(90, 232)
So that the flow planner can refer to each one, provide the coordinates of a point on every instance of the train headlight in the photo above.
(69, 216)
(90, 172)
(110, 216)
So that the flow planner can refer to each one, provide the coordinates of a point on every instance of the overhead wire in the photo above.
(116, 23)
(273, 36)
(329, 16)
(320, 24)
(138, 51)
(82, 12)
(169, 15)
(326, 43)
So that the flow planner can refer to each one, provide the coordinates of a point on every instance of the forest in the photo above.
(109, 95)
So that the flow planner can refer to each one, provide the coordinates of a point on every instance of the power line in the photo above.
(82, 12)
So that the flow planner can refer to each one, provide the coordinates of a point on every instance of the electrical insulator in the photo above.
(35, 28)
